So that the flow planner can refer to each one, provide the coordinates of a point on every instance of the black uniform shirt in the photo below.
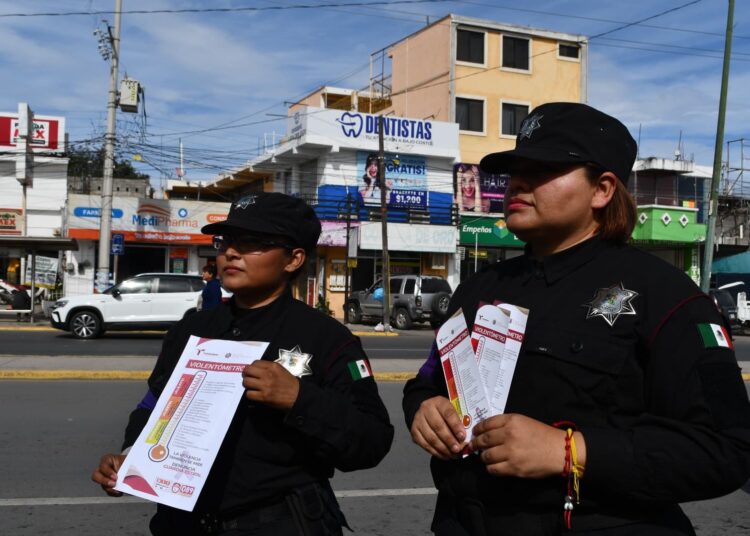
(613, 343)
(336, 422)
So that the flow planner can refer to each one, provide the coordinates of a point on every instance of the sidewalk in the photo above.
(139, 367)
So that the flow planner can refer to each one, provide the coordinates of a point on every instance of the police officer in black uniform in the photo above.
(311, 403)
(626, 399)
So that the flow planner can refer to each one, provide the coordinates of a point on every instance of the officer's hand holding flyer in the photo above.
(479, 369)
(173, 455)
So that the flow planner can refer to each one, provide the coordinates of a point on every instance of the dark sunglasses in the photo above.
(248, 243)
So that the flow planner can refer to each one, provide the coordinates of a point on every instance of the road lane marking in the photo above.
(87, 501)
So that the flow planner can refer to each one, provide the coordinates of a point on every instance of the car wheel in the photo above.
(401, 319)
(354, 313)
(440, 304)
(85, 325)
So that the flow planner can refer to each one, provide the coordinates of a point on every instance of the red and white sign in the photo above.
(10, 221)
(48, 134)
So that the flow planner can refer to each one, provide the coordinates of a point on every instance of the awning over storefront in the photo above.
(36, 243)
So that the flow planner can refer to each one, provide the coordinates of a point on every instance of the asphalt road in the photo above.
(52, 434)
(408, 345)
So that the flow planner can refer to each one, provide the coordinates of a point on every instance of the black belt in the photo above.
(249, 518)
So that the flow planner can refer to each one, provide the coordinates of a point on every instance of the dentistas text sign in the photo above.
(360, 130)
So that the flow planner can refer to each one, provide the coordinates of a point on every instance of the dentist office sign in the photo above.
(352, 129)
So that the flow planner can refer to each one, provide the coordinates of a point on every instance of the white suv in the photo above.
(146, 301)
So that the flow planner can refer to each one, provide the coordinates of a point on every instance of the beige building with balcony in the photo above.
(482, 74)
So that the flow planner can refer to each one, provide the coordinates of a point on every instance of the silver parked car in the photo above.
(414, 298)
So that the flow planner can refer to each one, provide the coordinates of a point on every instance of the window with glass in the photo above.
(470, 114)
(515, 53)
(567, 50)
(395, 286)
(174, 284)
(141, 285)
(470, 46)
(513, 116)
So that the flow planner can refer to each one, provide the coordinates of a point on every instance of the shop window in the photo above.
(337, 277)
(438, 261)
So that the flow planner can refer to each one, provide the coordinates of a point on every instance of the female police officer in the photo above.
(297, 423)
(621, 349)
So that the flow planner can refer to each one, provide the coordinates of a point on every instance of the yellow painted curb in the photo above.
(21, 327)
(746, 377)
(394, 376)
(375, 334)
(74, 374)
(135, 375)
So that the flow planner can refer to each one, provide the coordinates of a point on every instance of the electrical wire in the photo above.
(222, 9)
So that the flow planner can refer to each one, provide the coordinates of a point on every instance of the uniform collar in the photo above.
(555, 267)
(229, 313)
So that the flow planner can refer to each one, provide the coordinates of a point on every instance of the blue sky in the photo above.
(236, 70)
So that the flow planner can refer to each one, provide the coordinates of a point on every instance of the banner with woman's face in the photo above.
(477, 191)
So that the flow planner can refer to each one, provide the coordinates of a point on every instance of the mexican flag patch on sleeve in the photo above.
(360, 369)
(715, 336)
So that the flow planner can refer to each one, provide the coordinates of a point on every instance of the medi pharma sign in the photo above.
(360, 131)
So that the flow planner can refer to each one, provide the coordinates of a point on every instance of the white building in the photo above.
(327, 158)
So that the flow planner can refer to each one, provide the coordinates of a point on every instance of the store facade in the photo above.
(485, 240)
(157, 235)
(329, 158)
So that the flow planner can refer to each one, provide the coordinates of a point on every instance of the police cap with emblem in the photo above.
(271, 214)
(569, 132)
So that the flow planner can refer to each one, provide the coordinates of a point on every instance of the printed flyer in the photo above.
(171, 459)
(465, 388)
(513, 342)
(488, 339)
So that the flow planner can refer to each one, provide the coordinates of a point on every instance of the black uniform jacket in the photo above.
(336, 422)
(613, 344)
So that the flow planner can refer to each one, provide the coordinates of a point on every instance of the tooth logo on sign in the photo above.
(351, 124)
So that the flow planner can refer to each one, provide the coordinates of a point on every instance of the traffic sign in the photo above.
(117, 246)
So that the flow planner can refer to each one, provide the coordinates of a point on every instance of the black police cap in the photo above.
(271, 213)
(569, 132)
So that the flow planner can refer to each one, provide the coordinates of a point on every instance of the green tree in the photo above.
(88, 161)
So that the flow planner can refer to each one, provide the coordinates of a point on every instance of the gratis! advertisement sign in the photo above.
(405, 180)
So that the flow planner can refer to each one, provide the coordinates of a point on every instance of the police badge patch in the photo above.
(245, 201)
(529, 125)
(610, 303)
(295, 361)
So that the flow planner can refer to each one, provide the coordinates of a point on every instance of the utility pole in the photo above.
(713, 206)
(346, 267)
(384, 228)
(102, 271)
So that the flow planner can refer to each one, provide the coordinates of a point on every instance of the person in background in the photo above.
(211, 294)
(626, 398)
